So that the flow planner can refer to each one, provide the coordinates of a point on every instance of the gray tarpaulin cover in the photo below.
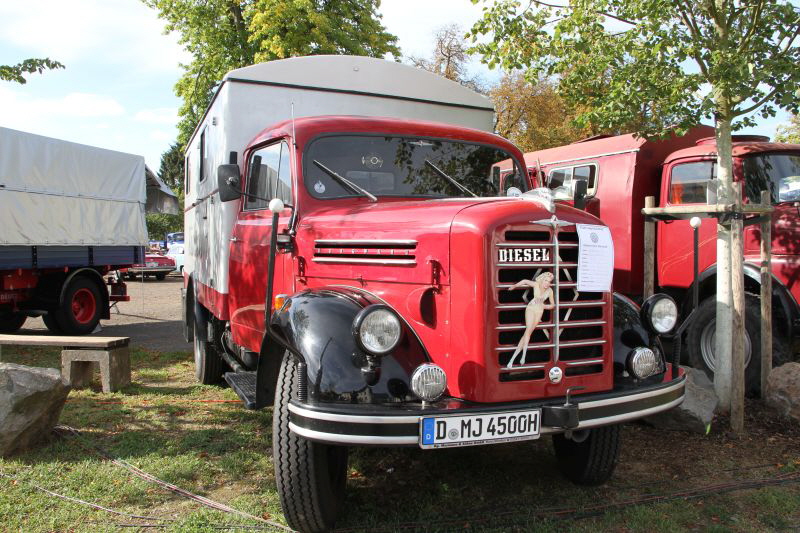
(54, 192)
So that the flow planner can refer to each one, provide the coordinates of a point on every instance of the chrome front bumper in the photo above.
(371, 425)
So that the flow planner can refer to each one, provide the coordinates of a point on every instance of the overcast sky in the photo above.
(117, 89)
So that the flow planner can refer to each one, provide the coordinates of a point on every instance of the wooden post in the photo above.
(737, 318)
(766, 294)
(649, 250)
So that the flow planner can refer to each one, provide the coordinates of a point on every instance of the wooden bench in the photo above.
(79, 354)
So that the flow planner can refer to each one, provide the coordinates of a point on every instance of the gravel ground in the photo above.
(152, 319)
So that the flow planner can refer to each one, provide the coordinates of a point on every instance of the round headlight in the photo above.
(643, 363)
(377, 329)
(428, 382)
(660, 313)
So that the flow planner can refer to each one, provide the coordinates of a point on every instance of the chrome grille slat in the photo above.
(588, 303)
(565, 344)
(549, 325)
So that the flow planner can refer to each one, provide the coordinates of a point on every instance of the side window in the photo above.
(689, 182)
(269, 176)
(202, 148)
(588, 173)
(565, 177)
(187, 174)
(283, 183)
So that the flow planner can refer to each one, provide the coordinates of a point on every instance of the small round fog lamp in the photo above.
(643, 363)
(428, 382)
(660, 313)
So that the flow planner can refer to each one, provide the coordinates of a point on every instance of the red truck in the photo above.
(620, 171)
(384, 289)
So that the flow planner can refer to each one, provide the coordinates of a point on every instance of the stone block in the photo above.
(783, 390)
(77, 367)
(697, 410)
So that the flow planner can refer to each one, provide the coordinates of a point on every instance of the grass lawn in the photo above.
(200, 439)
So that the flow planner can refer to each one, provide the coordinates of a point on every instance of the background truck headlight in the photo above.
(660, 313)
(377, 329)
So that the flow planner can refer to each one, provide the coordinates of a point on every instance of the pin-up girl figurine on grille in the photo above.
(542, 290)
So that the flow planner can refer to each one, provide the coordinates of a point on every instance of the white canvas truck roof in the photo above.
(63, 193)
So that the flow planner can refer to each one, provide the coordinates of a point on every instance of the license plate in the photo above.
(152, 264)
(448, 431)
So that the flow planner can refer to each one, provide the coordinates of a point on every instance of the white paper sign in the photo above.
(595, 258)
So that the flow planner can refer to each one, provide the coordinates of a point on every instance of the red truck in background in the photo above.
(380, 283)
(620, 171)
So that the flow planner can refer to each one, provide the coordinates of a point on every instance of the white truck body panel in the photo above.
(253, 98)
(60, 193)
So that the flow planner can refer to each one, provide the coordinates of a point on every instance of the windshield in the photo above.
(408, 166)
(777, 173)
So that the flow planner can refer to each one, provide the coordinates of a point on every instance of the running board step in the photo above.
(244, 385)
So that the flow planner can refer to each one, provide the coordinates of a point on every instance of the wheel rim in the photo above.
(707, 344)
(84, 306)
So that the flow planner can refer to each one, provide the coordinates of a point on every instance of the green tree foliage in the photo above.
(16, 73)
(222, 35)
(624, 58)
(171, 173)
(789, 133)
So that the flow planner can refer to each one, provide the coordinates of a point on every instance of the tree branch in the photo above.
(753, 25)
(755, 106)
(603, 13)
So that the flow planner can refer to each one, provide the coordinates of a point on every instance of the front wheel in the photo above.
(11, 322)
(311, 476)
(79, 311)
(701, 339)
(590, 456)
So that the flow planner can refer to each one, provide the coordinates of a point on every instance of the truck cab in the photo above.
(387, 288)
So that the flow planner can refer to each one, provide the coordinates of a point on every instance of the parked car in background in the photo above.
(174, 239)
(176, 254)
(154, 265)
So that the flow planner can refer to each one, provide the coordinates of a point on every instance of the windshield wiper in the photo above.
(441, 173)
(341, 180)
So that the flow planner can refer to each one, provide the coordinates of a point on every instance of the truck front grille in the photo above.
(574, 338)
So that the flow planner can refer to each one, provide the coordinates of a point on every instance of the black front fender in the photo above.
(630, 333)
(318, 324)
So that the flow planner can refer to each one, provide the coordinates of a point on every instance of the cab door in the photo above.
(685, 182)
(268, 175)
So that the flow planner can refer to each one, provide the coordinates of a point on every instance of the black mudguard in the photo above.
(318, 326)
(630, 333)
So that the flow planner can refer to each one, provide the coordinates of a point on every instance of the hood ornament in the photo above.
(542, 196)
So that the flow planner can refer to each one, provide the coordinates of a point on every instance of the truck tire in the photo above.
(208, 365)
(311, 476)
(701, 336)
(50, 321)
(11, 322)
(591, 461)
(81, 308)
(161, 276)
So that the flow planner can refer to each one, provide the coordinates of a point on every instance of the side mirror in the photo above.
(579, 194)
(229, 182)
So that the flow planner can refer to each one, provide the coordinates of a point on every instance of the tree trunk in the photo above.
(724, 332)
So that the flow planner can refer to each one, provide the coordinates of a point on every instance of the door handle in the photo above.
(235, 239)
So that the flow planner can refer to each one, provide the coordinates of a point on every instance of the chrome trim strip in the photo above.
(509, 285)
(355, 243)
(534, 244)
(593, 303)
(504, 370)
(550, 325)
(352, 419)
(596, 156)
(365, 261)
(632, 398)
(587, 362)
(555, 265)
(351, 439)
(568, 344)
(633, 415)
